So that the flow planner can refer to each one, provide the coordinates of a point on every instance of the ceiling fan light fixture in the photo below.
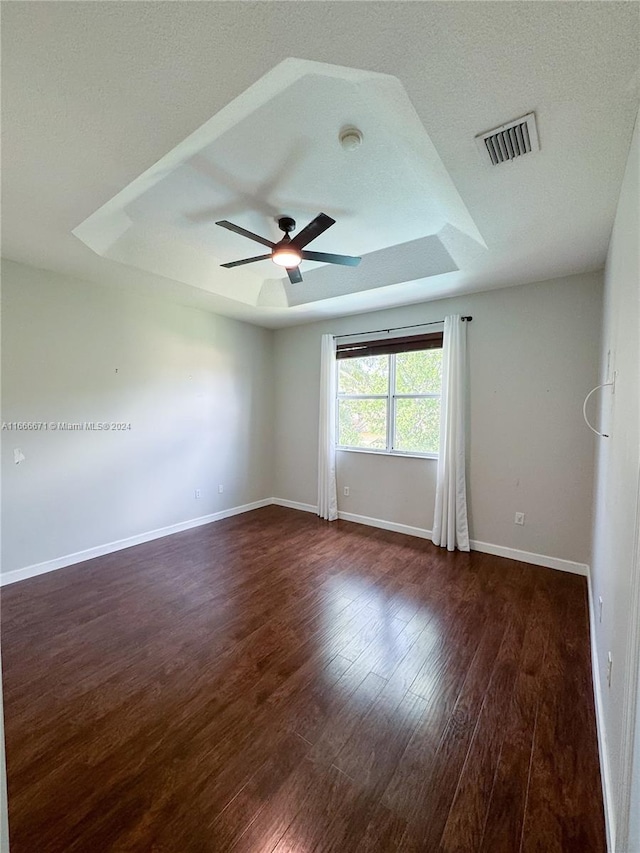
(286, 257)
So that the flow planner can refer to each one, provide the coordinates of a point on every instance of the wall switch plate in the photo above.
(519, 519)
(197, 493)
(220, 489)
(345, 491)
(609, 668)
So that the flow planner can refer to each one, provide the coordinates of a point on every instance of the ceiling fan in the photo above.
(289, 251)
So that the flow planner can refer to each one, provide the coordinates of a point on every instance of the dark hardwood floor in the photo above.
(276, 683)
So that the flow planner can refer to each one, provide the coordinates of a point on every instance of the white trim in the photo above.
(529, 557)
(476, 545)
(603, 747)
(294, 505)
(406, 454)
(421, 532)
(630, 707)
(391, 396)
(138, 539)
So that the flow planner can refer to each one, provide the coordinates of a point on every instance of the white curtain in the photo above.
(327, 494)
(450, 526)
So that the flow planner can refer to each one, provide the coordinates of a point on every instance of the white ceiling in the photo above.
(96, 94)
(280, 141)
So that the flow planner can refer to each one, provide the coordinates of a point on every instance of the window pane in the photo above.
(368, 375)
(419, 372)
(418, 425)
(362, 423)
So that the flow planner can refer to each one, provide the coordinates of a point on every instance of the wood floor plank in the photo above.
(416, 788)
(503, 827)
(262, 787)
(465, 824)
(385, 831)
(347, 710)
(564, 775)
(323, 822)
(491, 665)
(374, 750)
(274, 682)
(276, 817)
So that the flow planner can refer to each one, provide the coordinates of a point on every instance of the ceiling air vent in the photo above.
(509, 141)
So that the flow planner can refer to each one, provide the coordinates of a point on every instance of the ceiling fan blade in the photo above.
(323, 257)
(243, 231)
(295, 276)
(314, 229)
(246, 261)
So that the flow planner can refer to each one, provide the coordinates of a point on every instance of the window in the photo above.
(389, 395)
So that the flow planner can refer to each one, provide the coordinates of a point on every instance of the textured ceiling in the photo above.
(95, 94)
(280, 140)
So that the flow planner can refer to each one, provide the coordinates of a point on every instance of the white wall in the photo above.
(4, 806)
(196, 388)
(634, 788)
(533, 356)
(615, 558)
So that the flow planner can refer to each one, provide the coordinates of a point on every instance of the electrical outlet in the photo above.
(599, 608)
(609, 668)
(198, 493)
(220, 489)
(345, 491)
(519, 519)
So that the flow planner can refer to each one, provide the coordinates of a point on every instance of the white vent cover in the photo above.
(509, 141)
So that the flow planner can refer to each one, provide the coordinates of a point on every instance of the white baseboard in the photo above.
(294, 505)
(420, 532)
(603, 748)
(529, 557)
(100, 550)
(476, 545)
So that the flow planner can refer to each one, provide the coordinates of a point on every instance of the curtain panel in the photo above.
(327, 493)
(450, 524)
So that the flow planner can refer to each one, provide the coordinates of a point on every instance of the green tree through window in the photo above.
(391, 403)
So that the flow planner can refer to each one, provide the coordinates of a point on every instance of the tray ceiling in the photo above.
(275, 151)
(101, 101)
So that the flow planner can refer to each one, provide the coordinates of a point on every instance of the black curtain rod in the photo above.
(398, 328)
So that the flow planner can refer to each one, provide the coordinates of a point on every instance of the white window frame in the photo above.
(391, 398)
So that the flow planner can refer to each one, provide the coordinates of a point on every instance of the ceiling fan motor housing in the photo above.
(286, 224)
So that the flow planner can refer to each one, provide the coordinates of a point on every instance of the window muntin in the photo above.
(390, 403)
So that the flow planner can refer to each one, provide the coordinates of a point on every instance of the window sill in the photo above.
(395, 453)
